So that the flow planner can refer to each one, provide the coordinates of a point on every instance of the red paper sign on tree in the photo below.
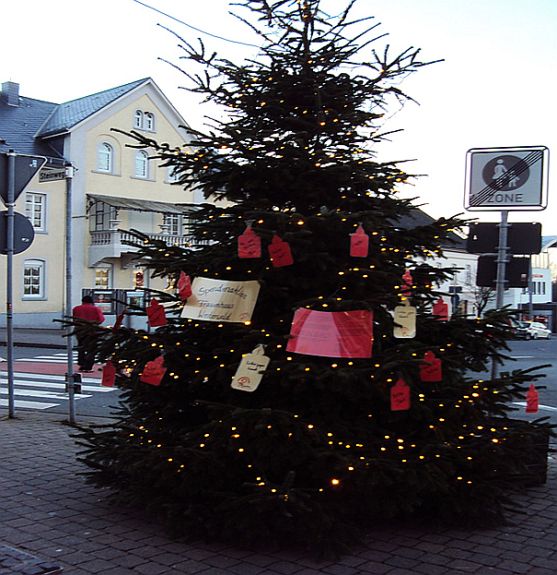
(118, 322)
(109, 375)
(359, 243)
(280, 253)
(331, 333)
(153, 372)
(430, 368)
(441, 310)
(407, 282)
(400, 396)
(249, 244)
(156, 314)
(532, 400)
(184, 286)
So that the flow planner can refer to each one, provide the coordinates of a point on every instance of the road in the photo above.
(39, 381)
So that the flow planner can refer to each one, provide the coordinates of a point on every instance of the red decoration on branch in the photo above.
(280, 253)
(359, 243)
(108, 375)
(118, 322)
(407, 283)
(153, 372)
(184, 286)
(249, 244)
(532, 400)
(441, 310)
(400, 396)
(156, 315)
(430, 368)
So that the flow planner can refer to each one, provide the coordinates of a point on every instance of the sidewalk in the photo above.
(47, 511)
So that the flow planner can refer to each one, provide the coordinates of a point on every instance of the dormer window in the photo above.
(138, 119)
(149, 121)
(144, 121)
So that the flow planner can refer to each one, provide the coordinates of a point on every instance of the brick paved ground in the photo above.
(47, 512)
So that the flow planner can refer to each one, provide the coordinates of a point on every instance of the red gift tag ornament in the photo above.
(109, 375)
(118, 322)
(407, 282)
(532, 400)
(249, 244)
(359, 243)
(430, 368)
(280, 253)
(441, 310)
(153, 372)
(400, 396)
(156, 314)
(184, 286)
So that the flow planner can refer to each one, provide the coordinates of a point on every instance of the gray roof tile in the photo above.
(65, 116)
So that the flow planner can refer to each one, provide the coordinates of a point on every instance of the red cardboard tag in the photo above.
(249, 244)
(118, 322)
(280, 253)
(359, 243)
(331, 333)
(153, 372)
(430, 368)
(156, 314)
(184, 286)
(108, 375)
(532, 400)
(400, 396)
(407, 282)
(441, 310)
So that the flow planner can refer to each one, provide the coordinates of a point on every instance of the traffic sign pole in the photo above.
(502, 258)
(9, 282)
(16, 171)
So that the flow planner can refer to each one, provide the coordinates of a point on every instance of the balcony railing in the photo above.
(111, 243)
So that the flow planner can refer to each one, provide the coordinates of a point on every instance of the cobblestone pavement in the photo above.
(50, 519)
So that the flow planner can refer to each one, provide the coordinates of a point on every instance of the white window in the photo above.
(141, 164)
(105, 157)
(103, 277)
(171, 175)
(33, 279)
(172, 224)
(102, 215)
(35, 210)
(138, 119)
(149, 121)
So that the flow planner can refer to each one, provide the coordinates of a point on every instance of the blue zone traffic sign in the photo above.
(507, 178)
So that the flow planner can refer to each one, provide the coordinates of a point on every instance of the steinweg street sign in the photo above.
(506, 178)
(25, 168)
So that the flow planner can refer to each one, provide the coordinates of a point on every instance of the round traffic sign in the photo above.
(23, 232)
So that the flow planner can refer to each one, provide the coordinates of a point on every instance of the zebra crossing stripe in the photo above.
(18, 403)
(62, 386)
(43, 394)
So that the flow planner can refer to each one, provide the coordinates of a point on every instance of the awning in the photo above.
(139, 205)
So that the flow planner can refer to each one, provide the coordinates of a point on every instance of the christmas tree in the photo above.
(302, 379)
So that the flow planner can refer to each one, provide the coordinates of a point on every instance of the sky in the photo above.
(495, 87)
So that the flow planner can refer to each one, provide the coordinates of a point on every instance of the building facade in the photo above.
(111, 187)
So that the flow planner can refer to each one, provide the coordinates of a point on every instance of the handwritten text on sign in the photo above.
(331, 334)
(221, 300)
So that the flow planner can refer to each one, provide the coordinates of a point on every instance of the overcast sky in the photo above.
(496, 87)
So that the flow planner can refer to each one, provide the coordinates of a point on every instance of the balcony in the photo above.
(110, 244)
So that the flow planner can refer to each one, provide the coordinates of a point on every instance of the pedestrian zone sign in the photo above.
(506, 178)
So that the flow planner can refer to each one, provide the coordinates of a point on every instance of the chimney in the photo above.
(10, 93)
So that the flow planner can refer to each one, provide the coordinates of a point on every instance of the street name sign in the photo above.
(506, 178)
